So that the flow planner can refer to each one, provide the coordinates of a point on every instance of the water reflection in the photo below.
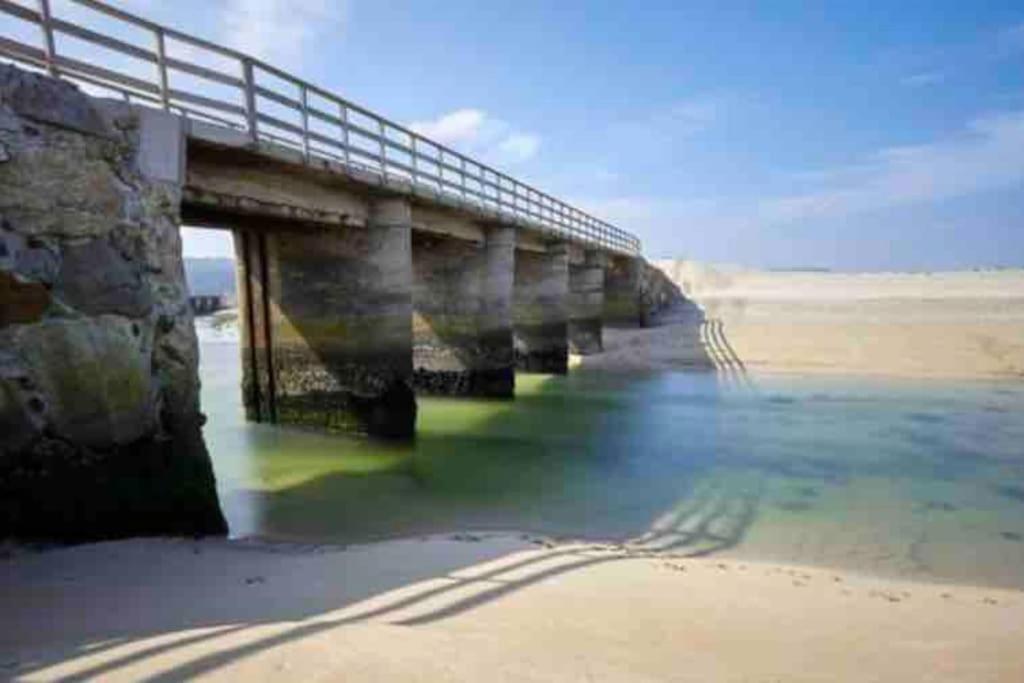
(887, 477)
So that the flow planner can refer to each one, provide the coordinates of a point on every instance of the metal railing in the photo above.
(274, 106)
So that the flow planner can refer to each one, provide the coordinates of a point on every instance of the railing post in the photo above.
(462, 176)
(250, 98)
(415, 166)
(304, 96)
(382, 150)
(161, 65)
(48, 44)
(343, 116)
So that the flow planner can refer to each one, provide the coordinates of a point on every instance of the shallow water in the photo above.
(917, 479)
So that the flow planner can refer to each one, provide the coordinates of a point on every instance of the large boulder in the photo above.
(100, 429)
(96, 279)
(90, 378)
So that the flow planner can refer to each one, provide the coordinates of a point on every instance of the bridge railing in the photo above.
(201, 79)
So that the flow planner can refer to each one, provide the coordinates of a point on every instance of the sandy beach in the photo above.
(508, 606)
(484, 607)
(951, 325)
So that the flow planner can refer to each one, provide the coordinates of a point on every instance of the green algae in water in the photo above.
(915, 479)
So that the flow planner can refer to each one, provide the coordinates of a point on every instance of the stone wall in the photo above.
(100, 429)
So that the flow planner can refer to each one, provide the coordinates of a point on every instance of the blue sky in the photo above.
(835, 134)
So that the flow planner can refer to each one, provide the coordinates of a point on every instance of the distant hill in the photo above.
(210, 276)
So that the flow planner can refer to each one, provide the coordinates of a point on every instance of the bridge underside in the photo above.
(352, 299)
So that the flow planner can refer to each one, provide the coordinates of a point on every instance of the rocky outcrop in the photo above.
(657, 293)
(99, 405)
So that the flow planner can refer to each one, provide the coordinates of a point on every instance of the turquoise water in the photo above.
(918, 479)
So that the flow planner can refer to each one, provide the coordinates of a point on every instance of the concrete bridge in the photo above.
(205, 304)
(354, 288)
(373, 262)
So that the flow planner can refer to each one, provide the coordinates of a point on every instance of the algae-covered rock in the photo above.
(93, 377)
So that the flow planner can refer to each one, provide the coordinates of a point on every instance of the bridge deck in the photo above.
(278, 108)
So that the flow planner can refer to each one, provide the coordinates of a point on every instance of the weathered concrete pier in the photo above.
(372, 262)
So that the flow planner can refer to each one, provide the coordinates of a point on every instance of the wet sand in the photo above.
(484, 607)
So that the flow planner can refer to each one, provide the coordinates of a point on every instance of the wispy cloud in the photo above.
(282, 32)
(924, 79)
(673, 122)
(475, 132)
(518, 147)
(987, 155)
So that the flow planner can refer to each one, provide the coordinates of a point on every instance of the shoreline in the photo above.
(502, 605)
(515, 605)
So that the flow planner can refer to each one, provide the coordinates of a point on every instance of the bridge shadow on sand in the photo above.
(714, 521)
(220, 613)
(688, 338)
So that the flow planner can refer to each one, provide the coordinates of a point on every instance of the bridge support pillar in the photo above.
(586, 303)
(462, 331)
(622, 291)
(541, 310)
(327, 314)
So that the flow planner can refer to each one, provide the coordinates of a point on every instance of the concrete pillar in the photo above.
(462, 335)
(258, 391)
(339, 341)
(622, 291)
(495, 321)
(586, 303)
(541, 310)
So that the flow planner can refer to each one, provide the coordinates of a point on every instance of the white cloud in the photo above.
(924, 79)
(519, 147)
(281, 32)
(474, 132)
(462, 126)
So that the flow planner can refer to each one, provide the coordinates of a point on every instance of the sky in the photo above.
(837, 134)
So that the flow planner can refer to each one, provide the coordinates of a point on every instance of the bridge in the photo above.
(373, 262)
